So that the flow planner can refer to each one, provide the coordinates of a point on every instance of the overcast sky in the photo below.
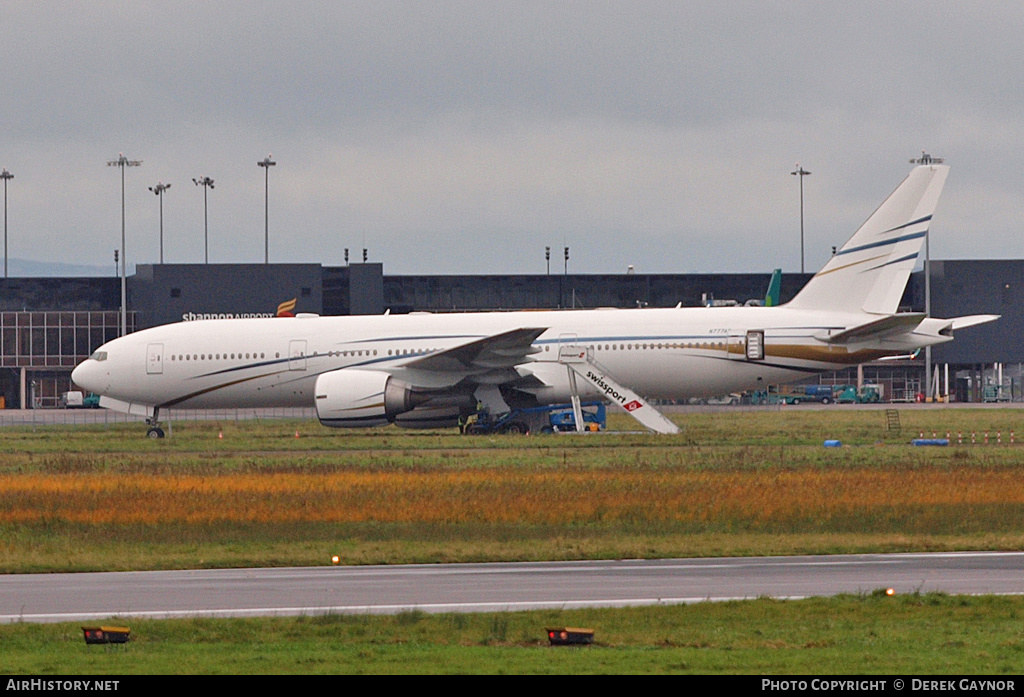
(464, 137)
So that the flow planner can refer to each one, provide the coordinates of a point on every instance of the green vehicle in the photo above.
(769, 396)
(849, 394)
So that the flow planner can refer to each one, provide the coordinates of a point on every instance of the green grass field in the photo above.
(732, 483)
(870, 634)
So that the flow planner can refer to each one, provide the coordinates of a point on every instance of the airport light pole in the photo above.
(927, 159)
(801, 172)
(266, 164)
(564, 278)
(123, 162)
(159, 190)
(207, 184)
(6, 176)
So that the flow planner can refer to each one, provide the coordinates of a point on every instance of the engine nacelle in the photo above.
(430, 416)
(358, 398)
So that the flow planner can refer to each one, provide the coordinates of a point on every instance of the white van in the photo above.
(72, 400)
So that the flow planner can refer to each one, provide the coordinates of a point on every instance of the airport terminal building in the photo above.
(49, 325)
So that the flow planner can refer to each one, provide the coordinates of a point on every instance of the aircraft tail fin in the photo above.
(870, 272)
(771, 298)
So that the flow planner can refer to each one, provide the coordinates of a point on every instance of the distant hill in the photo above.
(24, 267)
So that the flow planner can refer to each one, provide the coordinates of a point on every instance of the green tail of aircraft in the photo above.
(771, 298)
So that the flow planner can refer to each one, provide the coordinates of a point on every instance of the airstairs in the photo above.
(580, 363)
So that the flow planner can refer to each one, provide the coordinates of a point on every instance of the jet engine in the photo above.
(430, 416)
(357, 398)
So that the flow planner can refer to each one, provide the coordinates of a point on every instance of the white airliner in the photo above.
(424, 370)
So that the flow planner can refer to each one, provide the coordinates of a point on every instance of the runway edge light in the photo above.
(570, 636)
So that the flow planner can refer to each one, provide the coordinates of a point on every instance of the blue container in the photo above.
(833, 444)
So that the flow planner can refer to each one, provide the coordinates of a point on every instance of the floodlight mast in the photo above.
(6, 176)
(159, 190)
(266, 164)
(926, 159)
(801, 172)
(123, 162)
(207, 184)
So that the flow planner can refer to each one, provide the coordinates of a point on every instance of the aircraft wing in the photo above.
(504, 350)
(491, 359)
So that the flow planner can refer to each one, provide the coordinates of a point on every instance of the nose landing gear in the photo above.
(154, 425)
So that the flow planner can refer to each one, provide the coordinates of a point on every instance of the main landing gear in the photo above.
(154, 425)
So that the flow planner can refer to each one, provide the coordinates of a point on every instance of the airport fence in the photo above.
(67, 417)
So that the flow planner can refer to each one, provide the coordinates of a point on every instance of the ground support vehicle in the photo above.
(818, 393)
(727, 399)
(769, 396)
(74, 399)
(544, 419)
(71, 400)
(867, 394)
(800, 394)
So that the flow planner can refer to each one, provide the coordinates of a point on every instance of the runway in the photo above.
(493, 587)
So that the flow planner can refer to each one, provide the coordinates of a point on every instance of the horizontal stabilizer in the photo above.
(877, 329)
(971, 320)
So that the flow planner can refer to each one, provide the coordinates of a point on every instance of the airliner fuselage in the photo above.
(662, 353)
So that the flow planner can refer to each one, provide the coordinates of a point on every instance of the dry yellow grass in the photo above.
(512, 496)
(739, 484)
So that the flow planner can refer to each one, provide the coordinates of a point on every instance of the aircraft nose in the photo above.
(90, 376)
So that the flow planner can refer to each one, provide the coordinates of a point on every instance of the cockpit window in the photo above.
(99, 356)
